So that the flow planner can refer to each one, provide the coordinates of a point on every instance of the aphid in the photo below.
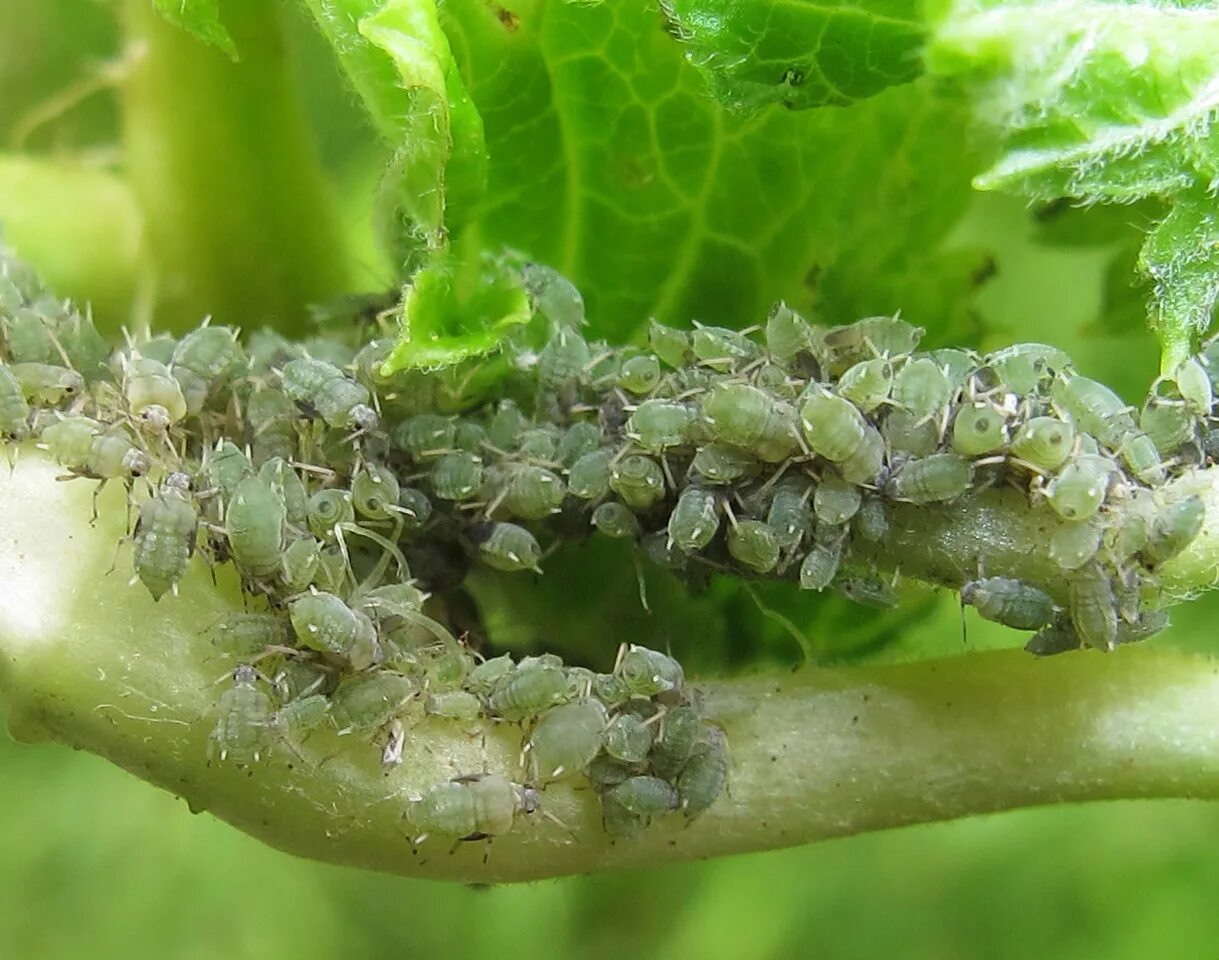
(248, 634)
(870, 591)
(1045, 442)
(657, 425)
(457, 476)
(329, 510)
(820, 564)
(1169, 424)
(243, 712)
(1012, 603)
(565, 740)
(1094, 407)
(539, 443)
(680, 729)
(113, 455)
(296, 719)
(153, 395)
(554, 296)
(581, 438)
(645, 796)
(753, 544)
(720, 348)
(471, 808)
(365, 703)
(719, 463)
(453, 705)
(333, 571)
(747, 417)
(606, 771)
(1174, 529)
(787, 334)
(638, 480)
(46, 384)
(628, 738)
(211, 352)
(1127, 536)
(933, 479)
(1058, 637)
(271, 420)
(414, 508)
(789, 514)
(867, 384)
(469, 436)
(323, 622)
(695, 519)
(225, 467)
(506, 426)
(705, 774)
(534, 493)
(425, 436)
(640, 375)
(528, 691)
(616, 520)
(588, 477)
(835, 501)
(671, 345)
(978, 429)
(375, 492)
(872, 522)
(1194, 385)
(164, 537)
(286, 483)
(486, 675)
(1093, 607)
(648, 672)
(888, 337)
(298, 564)
(508, 547)
(1080, 488)
(956, 364)
(833, 426)
(1074, 544)
(563, 359)
(773, 380)
(1142, 457)
(610, 689)
(864, 465)
(1023, 367)
(323, 388)
(907, 433)
(27, 335)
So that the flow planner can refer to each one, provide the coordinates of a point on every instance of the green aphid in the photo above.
(909, 434)
(288, 486)
(336, 352)
(28, 336)
(1175, 528)
(539, 443)
(271, 420)
(1131, 526)
(1058, 637)
(242, 723)
(1074, 544)
(333, 571)
(610, 689)
(607, 771)
(194, 389)
(648, 672)
(323, 622)
(329, 510)
(1012, 603)
(719, 463)
(425, 436)
(164, 537)
(889, 337)
(299, 564)
(393, 600)
(225, 467)
(414, 508)
(589, 476)
(14, 409)
(469, 436)
(69, 440)
(872, 521)
(790, 514)
(1094, 607)
(446, 664)
(645, 796)
(298, 677)
(528, 692)
(660, 550)
(366, 703)
(722, 349)
(865, 464)
(820, 565)
(323, 389)
(563, 359)
(672, 346)
(640, 375)
(554, 296)
(695, 519)
(47, 384)
(1080, 487)
(248, 634)
(629, 739)
(1093, 407)
(1044, 442)
(457, 476)
(457, 705)
(506, 426)
(580, 438)
(788, 335)
(867, 384)
(705, 774)
(112, 455)
(776, 382)
(210, 352)
(565, 740)
(296, 719)
(486, 675)
(534, 493)
(375, 491)
(957, 364)
(1142, 456)
(1194, 384)
(745, 416)
(638, 480)
(835, 501)
(507, 547)
(680, 729)
(833, 426)
(870, 591)
(1023, 368)
(471, 808)
(753, 544)
(937, 478)
(1169, 423)
(978, 429)
(153, 396)
(616, 520)
(657, 425)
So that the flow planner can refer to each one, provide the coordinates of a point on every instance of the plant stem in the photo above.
(98, 665)
(239, 215)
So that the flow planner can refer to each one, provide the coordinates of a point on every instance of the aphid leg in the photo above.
(781, 620)
(641, 582)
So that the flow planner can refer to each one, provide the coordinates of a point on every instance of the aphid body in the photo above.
(243, 712)
(1012, 603)
(164, 537)
(566, 739)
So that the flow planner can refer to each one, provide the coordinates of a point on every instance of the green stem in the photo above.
(240, 218)
(95, 664)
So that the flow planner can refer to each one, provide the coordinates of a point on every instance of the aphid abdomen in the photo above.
(254, 520)
(937, 478)
(14, 410)
(1080, 488)
(705, 774)
(323, 622)
(1174, 529)
(629, 739)
(69, 441)
(695, 519)
(1045, 442)
(1094, 607)
(248, 634)
(833, 426)
(1009, 602)
(645, 796)
(534, 493)
(507, 547)
(753, 544)
(447, 808)
(566, 739)
(616, 520)
(750, 418)
(242, 724)
(47, 384)
(152, 393)
(647, 673)
(528, 692)
(165, 538)
(365, 703)
(638, 480)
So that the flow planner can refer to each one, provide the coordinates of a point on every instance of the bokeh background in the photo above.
(94, 863)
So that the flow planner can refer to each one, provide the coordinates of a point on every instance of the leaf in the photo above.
(201, 18)
(798, 52)
(453, 312)
(1093, 99)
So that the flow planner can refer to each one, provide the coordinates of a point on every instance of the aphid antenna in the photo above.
(780, 619)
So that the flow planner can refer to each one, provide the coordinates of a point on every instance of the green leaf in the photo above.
(201, 18)
(1096, 99)
(1181, 256)
(453, 312)
(798, 52)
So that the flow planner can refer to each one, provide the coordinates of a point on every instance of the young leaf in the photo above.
(200, 17)
(800, 54)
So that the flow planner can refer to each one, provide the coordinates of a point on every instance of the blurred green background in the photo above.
(94, 863)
